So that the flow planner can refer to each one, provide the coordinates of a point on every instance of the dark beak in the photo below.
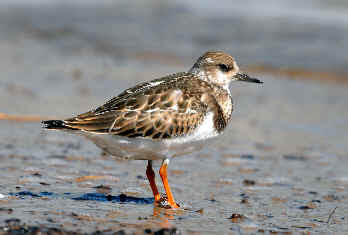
(245, 78)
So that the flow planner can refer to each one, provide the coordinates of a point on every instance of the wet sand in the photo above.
(279, 167)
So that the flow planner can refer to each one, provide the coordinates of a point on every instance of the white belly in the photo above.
(147, 149)
(205, 131)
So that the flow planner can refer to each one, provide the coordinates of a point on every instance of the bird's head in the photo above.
(220, 68)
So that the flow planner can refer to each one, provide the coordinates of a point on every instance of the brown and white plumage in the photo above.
(161, 118)
(163, 108)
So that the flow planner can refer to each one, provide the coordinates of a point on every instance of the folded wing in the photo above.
(162, 108)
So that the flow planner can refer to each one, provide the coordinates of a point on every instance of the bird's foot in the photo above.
(165, 203)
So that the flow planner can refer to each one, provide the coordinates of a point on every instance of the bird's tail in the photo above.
(56, 125)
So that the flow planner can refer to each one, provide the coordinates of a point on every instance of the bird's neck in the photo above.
(221, 92)
(217, 79)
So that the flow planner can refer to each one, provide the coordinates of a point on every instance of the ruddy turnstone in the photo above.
(163, 118)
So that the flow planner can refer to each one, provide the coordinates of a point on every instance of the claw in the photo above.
(164, 203)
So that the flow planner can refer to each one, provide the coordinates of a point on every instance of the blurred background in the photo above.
(44, 43)
(59, 58)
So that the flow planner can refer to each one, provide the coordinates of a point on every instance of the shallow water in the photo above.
(280, 166)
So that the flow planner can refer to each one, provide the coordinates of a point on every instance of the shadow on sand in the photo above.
(122, 198)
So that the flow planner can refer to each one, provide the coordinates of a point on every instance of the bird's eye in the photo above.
(224, 68)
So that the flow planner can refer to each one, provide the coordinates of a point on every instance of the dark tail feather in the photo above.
(55, 124)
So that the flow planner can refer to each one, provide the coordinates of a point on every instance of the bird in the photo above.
(163, 118)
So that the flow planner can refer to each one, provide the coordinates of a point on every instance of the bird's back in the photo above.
(164, 108)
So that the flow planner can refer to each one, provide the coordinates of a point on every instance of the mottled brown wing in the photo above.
(162, 108)
(145, 87)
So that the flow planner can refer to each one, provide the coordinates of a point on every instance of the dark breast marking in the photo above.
(219, 121)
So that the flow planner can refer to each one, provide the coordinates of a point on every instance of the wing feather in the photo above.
(163, 108)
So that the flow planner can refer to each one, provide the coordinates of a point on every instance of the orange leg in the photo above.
(151, 177)
(163, 174)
